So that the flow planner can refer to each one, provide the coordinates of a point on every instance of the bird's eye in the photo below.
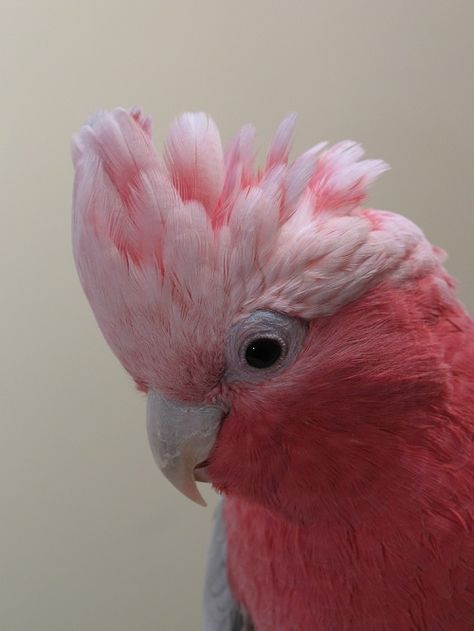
(263, 352)
(262, 344)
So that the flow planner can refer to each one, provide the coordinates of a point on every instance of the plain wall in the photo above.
(91, 536)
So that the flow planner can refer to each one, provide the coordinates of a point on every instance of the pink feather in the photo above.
(350, 474)
(195, 160)
(166, 232)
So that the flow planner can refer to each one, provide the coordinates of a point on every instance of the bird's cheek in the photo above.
(228, 461)
(243, 461)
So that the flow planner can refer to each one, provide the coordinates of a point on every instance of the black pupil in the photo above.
(263, 352)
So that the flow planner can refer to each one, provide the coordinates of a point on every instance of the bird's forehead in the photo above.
(310, 266)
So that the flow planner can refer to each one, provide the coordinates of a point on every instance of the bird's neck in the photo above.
(390, 569)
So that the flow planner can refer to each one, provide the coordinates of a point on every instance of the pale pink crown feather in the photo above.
(172, 250)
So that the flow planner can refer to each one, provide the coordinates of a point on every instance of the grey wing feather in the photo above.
(221, 611)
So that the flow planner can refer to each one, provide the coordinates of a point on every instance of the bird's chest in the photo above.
(300, 580)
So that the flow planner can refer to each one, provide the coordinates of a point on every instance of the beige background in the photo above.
(91, 536)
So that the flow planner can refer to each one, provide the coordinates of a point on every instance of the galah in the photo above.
(305, 354)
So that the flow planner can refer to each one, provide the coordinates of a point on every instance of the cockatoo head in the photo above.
(271, 319)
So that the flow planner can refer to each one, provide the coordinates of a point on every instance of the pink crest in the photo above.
(176, 249)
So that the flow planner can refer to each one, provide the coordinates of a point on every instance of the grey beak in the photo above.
(181, 436)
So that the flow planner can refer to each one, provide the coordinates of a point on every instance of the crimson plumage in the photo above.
(366, 521)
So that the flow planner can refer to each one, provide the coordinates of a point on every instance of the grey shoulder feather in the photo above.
(221, 611)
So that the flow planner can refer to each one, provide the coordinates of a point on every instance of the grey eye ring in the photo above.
(262, 344)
